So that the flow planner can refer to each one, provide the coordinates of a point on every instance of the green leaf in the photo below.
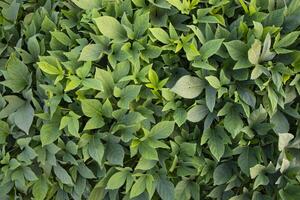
(216, 145)
(110, 27)
(96, 149)
(287, 40)
(145, 164)
(94, 123)
(233, 123)
(48, 25)
(165, 189)
(236, 49)
(62, 175)
(91, 107)
(128, 94)
(247, 96)
(40, 188)
(260, 180)
(182, 191)
(115, 154)
(87, 5)
(210, 48)
(23, 117)
(247, 159)
(90, 52)
(138, 187)
(147, 152)
(141, 24)
(254, 52)
(11, 12)
(203, 65)
(290, 192)
(280, 122)
(210, 97)
(85, 172)
(33, 46)
(180, 116)
(4, 131)
(49, 133)
(48, 68)
(17, 76)
(162, 130)
(222, 174)
(284, 139)
(160, 35)
(117, 180)
(62, 38)
(213, 81)
(188, 87)
(197, 113)
(107, 81)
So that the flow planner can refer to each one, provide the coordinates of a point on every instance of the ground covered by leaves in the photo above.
(150, 99)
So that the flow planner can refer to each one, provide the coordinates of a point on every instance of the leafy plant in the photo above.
(150, 99)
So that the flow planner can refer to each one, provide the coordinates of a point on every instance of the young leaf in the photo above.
(197, 113)
(110, 27)
(117, 180)
(162, 130)
(188, 87)
(160, 35)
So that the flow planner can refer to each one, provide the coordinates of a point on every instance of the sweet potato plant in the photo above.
(150, 99)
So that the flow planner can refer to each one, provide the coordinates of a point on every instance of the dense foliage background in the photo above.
(150, 99)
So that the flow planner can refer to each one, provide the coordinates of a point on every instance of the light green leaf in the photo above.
(213, 81)
(162, 130)
(254, 52)
(49, 133)
(91, 107)
(141, 24)
(261, 179)
(110, 27)
(145, 164)
(87, 4)
(62, 38)
(107, 81)
(90, 52)
(160, 35)
(128, 94)
(216, 145)
(233, 123)
(210, 48)
(236, 49)
(138, 187)
(197, 113)
(11, 12)
(117, 180)
(23, 117)
(96, 149)
(17, 76)
(188, 87)
(287, 40)
(48, 68)
(40, 188)
(284, 139)
(147, 152)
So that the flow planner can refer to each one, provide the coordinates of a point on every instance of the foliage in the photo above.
(150, 99)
